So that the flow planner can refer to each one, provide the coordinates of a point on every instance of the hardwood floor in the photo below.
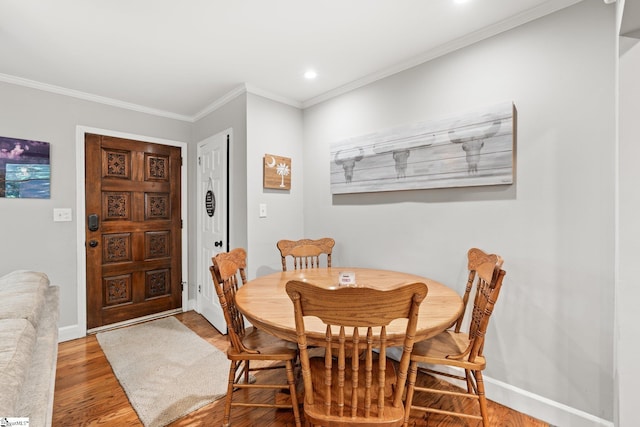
(88, 394)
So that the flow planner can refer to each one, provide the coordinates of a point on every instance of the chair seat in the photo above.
(316, 413)
(441, 349)
(269, 347)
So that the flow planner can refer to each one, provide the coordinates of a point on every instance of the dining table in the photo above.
(266, 305)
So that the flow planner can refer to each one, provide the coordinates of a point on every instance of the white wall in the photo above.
(272, 128)
(551, 331)
(30, 239)
(260, 126)
(232, 115)
(628, 291)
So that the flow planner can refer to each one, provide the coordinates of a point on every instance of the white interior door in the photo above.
(212, 221)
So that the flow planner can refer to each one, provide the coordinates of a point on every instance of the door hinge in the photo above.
(181, 286)
(199, 161)
(181, 223)
(199, 288)
(181, 161)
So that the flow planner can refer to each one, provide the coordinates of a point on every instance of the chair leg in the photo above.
(482, 398)
(411, 382)
(227, 404)
(293, 392)
(470, 387)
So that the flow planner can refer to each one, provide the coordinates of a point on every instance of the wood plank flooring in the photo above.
(88, 394)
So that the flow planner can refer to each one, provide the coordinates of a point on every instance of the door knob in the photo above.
(218, 244)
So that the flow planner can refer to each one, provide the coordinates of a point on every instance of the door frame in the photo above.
(81, 273)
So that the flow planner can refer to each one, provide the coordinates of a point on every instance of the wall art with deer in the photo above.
(469, 149)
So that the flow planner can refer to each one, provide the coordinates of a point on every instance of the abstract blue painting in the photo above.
(25, 171)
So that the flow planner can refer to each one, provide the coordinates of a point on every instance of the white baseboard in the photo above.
(554, 413)
(68, 333)
(547, 410)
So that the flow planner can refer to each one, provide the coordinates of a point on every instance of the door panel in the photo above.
(212, 224)
(134, 256)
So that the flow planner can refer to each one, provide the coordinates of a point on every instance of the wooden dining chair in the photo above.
(475, 258)
(463, 351)
(306, 253)
(353, 384)
(247, 344)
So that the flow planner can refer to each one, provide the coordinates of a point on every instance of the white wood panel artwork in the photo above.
(471, 149)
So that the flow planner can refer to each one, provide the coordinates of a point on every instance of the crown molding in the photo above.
(239, 90)
(228, 97)
(274, 97)
(482, 34)
(90, 97)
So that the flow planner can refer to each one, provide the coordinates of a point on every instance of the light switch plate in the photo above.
(62, 214)
(263, 210)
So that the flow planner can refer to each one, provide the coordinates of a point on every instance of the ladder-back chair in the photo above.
(460, 350)
(354, 384)
(306, 253)
(249, 344)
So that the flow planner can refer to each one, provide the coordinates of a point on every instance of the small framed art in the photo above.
(276, 172)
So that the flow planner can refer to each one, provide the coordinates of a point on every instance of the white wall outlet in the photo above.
(263, 210)
(62, 214)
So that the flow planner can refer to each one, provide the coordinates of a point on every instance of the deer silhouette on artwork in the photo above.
(348, 162)
(472, 140)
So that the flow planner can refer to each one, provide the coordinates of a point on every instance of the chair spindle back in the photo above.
(305, 253)
(357, 320)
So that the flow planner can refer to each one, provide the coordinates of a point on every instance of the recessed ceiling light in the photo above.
(310, 75)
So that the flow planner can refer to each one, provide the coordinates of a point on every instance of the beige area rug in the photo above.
(166, 369)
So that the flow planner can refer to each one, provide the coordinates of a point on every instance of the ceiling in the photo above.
(181, 58)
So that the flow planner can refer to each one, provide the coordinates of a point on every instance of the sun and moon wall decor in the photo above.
(276, 172)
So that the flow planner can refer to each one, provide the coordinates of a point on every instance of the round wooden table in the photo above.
(265, 303)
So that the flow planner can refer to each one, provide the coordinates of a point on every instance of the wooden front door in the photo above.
(133, 229)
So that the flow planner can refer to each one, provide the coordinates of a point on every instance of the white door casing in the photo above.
(212, 220)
